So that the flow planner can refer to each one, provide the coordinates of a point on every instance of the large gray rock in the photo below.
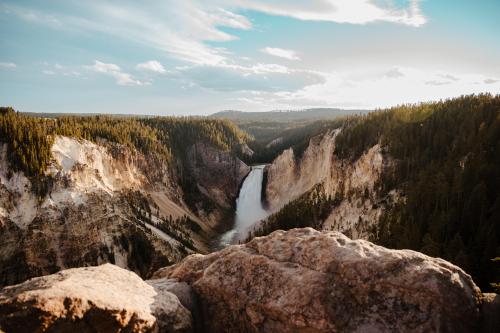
(105, 298)
(309, 281)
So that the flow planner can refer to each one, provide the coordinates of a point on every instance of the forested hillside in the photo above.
(274, 131)
(447, 170)
(29, 138)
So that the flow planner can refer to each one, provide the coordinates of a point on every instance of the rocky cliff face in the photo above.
(309, 281)
(358, 204)
(302, 280)
(218, 175)
(105, 203)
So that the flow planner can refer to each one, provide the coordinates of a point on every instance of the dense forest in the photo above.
(29, 138)
(267, 147)
(448, 169)
(274, 131)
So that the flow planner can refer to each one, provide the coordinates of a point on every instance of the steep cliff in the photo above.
(105, 203)
(217, 176)
(349, 187)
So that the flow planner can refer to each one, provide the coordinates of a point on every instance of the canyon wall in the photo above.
(352, 185)
(106, 203)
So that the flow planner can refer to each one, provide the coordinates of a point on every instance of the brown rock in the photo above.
(208, 164)
(490, 311)
(105, 298)
(309, 281)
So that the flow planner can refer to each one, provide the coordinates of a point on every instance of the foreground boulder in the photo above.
(93, 299)
(308, 281)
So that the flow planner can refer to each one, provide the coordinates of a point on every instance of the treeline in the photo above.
(29, 139)
(267, 148)
(28, 142)
(448, 169)
(182, 132)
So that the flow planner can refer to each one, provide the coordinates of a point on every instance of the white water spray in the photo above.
(249, 208)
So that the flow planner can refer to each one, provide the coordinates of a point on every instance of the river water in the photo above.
(249, 209)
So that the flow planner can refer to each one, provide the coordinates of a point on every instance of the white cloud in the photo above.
(178, 28)
(372, 88)
(281, 53)
(491, 81)
(122, 79)
(367, 87)
(152, 66)
(58, 69)
(339, 11)
(182, 28)
(8, 65)
(256, 78)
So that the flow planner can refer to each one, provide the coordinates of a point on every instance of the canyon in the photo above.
(105, 204)
(195, 236)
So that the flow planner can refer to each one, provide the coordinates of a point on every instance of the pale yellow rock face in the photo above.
(304, 280)
(105, 298)
(289, 177)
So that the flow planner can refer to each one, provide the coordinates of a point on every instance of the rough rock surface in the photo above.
(304, 280)
(353, 183)
(89, 215)
(490, 311)
(93, 299)
(207, 166)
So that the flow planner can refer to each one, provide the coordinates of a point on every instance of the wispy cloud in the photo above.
(8, 65)
(178, 28)
(182, 28)
(58, 69)
(253, 78)
(281, 53)
(342, 89)
(152, 66)
(491, 81)
(340, 11)
(122, 79)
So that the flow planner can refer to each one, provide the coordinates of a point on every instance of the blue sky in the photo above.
(198, 57)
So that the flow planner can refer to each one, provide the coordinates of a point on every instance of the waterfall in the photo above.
(249, 208)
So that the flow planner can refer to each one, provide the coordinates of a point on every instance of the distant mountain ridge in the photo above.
(287, 116)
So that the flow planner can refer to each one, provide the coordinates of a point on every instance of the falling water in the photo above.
(249, 208)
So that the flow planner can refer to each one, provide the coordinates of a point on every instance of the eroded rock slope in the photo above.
(106, 203)
(350, 186)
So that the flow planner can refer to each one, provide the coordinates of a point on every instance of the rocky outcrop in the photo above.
(218, 174)
(352, 184)
(304, 280)
(93, 299)
(88, 216)
(289, 177)
(490, 311)
(104, 203)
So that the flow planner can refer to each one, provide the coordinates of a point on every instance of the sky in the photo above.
(186, 57)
